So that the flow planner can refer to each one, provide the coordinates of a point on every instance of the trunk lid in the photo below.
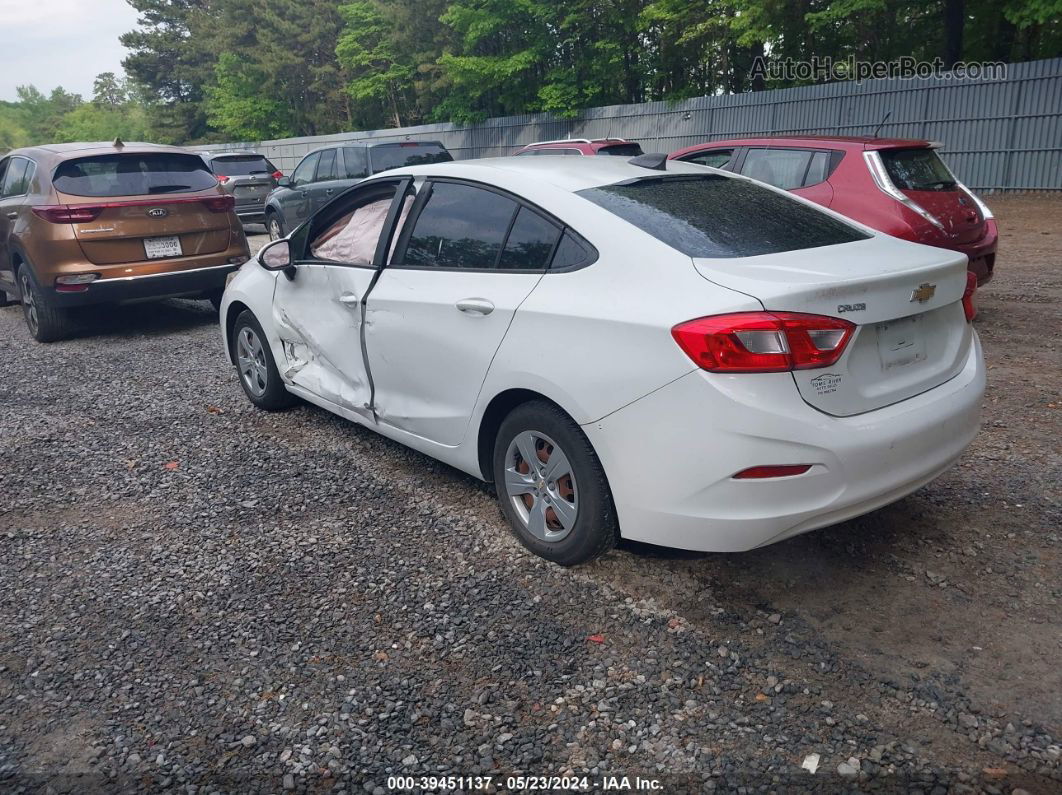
(118, 233)
(905, 299)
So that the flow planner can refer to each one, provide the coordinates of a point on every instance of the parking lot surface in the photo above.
(199, 596)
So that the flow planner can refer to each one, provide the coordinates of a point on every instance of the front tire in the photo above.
(258, 372)
(551, 486)
(274, 226)
(45, 322)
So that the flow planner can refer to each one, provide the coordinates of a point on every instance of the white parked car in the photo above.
(684, 357)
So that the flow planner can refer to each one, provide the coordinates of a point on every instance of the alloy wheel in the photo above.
(29, 306)
(250, 355)
(274, 228)
(541, 486)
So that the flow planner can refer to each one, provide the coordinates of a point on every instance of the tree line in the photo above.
(218, 70)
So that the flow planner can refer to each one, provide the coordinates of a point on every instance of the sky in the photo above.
(64, 43)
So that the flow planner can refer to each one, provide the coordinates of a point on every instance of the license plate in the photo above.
(158, 247)
(901, 342)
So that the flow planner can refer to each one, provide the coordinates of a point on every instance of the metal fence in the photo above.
(997, 134)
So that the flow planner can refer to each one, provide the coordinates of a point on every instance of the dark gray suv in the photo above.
(330, 170)
(248, 176)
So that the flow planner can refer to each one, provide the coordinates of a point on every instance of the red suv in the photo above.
(900, 187)
(619, 147)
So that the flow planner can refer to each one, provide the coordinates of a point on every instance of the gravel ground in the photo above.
(196, 596)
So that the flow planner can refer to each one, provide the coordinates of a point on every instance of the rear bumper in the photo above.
(670, 456)
(192, 282)
(251, 213)
(982, 254)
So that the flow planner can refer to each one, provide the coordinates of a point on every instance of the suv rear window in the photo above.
(716, 216)
(133, 174)
(621, 150)
(385, 156)
(242, 166)
(917, 169)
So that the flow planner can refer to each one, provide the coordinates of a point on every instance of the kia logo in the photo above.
(158, 212)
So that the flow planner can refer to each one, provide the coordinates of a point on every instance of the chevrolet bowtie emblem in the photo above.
(923, 292)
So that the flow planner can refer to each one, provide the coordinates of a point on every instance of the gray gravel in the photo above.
(197, 596)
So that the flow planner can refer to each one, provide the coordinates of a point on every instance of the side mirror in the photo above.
(284, 182)
(277, 257)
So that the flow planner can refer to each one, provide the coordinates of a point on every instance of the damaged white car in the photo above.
(655, 351)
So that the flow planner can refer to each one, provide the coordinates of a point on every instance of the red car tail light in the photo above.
(68, 214)
(763, 342)
(777, 471)
(278, 174)
(968, 305)
(219, 204)
(222, 179)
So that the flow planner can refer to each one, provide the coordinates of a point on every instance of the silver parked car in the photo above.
(249, 177)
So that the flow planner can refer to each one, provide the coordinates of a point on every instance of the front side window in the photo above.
(717, 216)
(133, 174)
(716, 158)
(917, 169)
(459, 227)
(783, 168)
(16, 177)
(303, 174)
(326, 168)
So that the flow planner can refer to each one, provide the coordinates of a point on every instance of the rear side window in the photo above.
(326, 169)
(459, 227)
(819, 168)
(242, 165)
(783, 168)
(917, 169)
(133, 174)
(356, 159)
(621, 150)
(386, 156)
(716, 158)
(17, 177)
(530, 242)
(717, 216)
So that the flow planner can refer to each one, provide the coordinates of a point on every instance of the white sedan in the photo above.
(650, 350)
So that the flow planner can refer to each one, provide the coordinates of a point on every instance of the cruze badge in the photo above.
(158, 212)
(842, 308)
(923, 292)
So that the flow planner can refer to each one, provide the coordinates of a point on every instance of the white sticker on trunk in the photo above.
(901, 342)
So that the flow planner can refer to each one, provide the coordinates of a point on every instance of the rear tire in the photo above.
(558, 504)
(45, 322)
(274, 226)
(257, 370)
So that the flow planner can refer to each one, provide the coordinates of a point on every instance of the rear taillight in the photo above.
(68, 214)
(219, 204)
(222, 179)
(278, 174)
(968, 305)
(763, 342)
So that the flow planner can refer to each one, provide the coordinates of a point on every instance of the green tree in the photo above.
(109, 90)
(237, 107)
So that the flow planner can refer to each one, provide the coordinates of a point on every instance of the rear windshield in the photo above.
(133, 174)
(917, 169)
(716, 216)
(621, 150)
(242, 166)
(385, 156)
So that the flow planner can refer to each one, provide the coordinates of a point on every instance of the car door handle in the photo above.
(330, 191)
(476, 306)
(349, 299)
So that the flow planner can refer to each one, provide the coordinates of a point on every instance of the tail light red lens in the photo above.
(222, 179)
(763, 342)
(278, 174)
(68, 214)
(219, 204)
(968, 305)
